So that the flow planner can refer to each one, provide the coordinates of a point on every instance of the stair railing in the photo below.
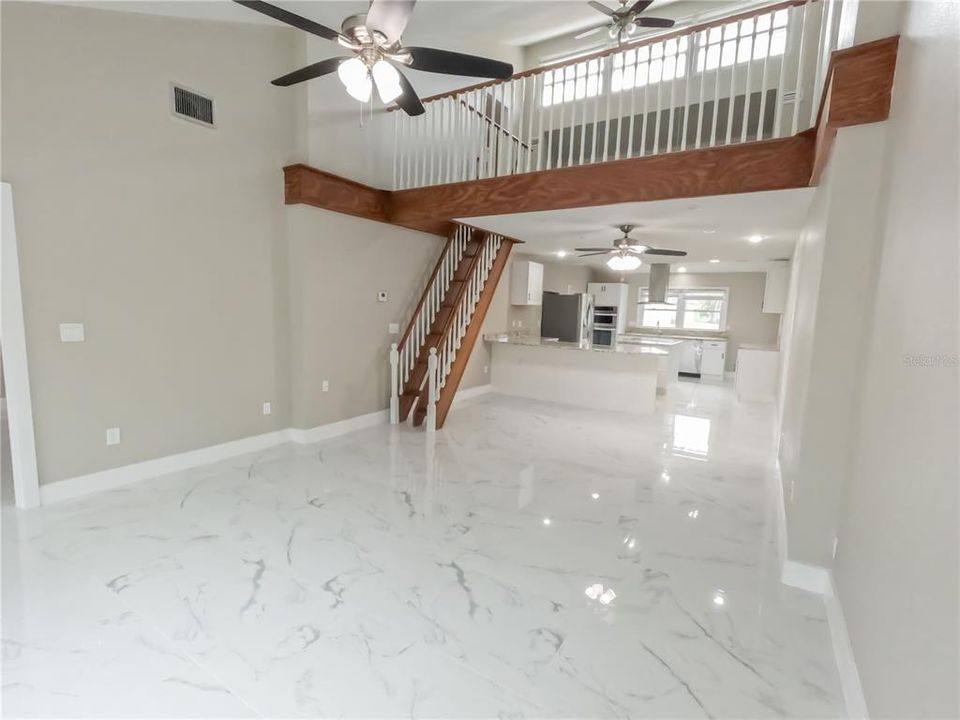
(749, 76)
(446, 353)
(403, 355)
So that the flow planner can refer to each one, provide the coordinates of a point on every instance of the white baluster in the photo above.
(646, 105)
(702, 42)
(746, 95)
(633, 104)
(656, 131)
(799, 86)
(673, 85)
(792, 16)
(733, 83)
(623, 89)
(763, 79)
(716, 90)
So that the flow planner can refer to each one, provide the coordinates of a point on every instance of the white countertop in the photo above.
(759, 348)
(533, 341)
(667, 342)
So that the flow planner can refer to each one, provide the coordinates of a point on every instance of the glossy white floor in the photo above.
(538, 561)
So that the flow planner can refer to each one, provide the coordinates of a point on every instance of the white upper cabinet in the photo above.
(526, 283)
(609, 295)
(775, 289)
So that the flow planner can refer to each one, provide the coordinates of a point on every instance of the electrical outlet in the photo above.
(113, 436)
(325, 385)
(486, 369)
(267, 409)
(381, 296)
(394, 328)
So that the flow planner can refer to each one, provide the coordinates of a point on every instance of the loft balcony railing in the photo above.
(752, 76)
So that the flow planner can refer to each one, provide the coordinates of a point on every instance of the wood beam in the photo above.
(749, 167)
(857, 90)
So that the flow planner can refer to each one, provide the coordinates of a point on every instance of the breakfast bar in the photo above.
(621, 378)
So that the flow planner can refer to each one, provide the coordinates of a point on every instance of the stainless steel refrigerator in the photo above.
(568, 318)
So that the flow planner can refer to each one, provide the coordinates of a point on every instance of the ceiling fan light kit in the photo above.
(626, 252)
(625, 20)
(375, 40)
(624, 263)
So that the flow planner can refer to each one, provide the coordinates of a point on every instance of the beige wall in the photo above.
(157, 234)
(746, 322)
(897, 561)
(338, 329)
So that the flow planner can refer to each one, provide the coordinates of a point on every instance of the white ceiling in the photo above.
(506, 22)
(681, 224)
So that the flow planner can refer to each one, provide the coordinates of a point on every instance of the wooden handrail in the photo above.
(644, 42)
(433, 276)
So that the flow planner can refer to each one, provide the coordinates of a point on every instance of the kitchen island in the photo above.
(621, 378)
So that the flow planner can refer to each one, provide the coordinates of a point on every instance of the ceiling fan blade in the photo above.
(454, 63)
(301, 23)
(591, 31)
(408, 100)
(594, 250)
(605, 252)
(639, 6)
(318, 69)
(655, 251)
(655, 22)
(602, 8)
(390, 17)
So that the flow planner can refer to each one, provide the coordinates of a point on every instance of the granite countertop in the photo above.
(636, 339)
(533, 341)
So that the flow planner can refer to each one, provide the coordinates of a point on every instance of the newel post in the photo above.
(432, 391)
(394, 384)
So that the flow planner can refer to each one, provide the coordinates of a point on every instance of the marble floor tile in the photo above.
(534, 560)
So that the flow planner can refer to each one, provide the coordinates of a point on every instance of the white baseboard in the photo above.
(470, 393)
(341, 427)
(127, 474)
(819, 580)
(853, 696)
(811, 578)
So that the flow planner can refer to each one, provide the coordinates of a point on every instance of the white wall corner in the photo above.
(853, 697)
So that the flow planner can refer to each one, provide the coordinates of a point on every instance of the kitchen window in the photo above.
(692, 309)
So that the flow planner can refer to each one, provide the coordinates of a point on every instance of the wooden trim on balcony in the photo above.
(749, 167)
(305, 184)
(856, 91)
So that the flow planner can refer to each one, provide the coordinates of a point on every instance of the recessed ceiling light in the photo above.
(681, 269)
(547, 521)
(714, 260)
(561, 253)
(755, 239)
(709, 232)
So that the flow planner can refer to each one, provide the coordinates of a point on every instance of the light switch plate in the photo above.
(325, 386)
(71, 332)
(381, 296)
(267, 409)
(394, 328)
(113, 436)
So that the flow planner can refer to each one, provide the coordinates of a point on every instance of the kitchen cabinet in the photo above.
(775, 289)
(690, 357)
(713, 358)
(608, 294)
(526, 283)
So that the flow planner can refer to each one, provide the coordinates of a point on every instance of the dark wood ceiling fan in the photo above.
(374, 38)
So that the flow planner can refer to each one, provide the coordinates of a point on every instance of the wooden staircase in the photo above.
(448, 319)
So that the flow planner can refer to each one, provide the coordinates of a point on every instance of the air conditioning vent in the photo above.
(192, 106)
(789, 97)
